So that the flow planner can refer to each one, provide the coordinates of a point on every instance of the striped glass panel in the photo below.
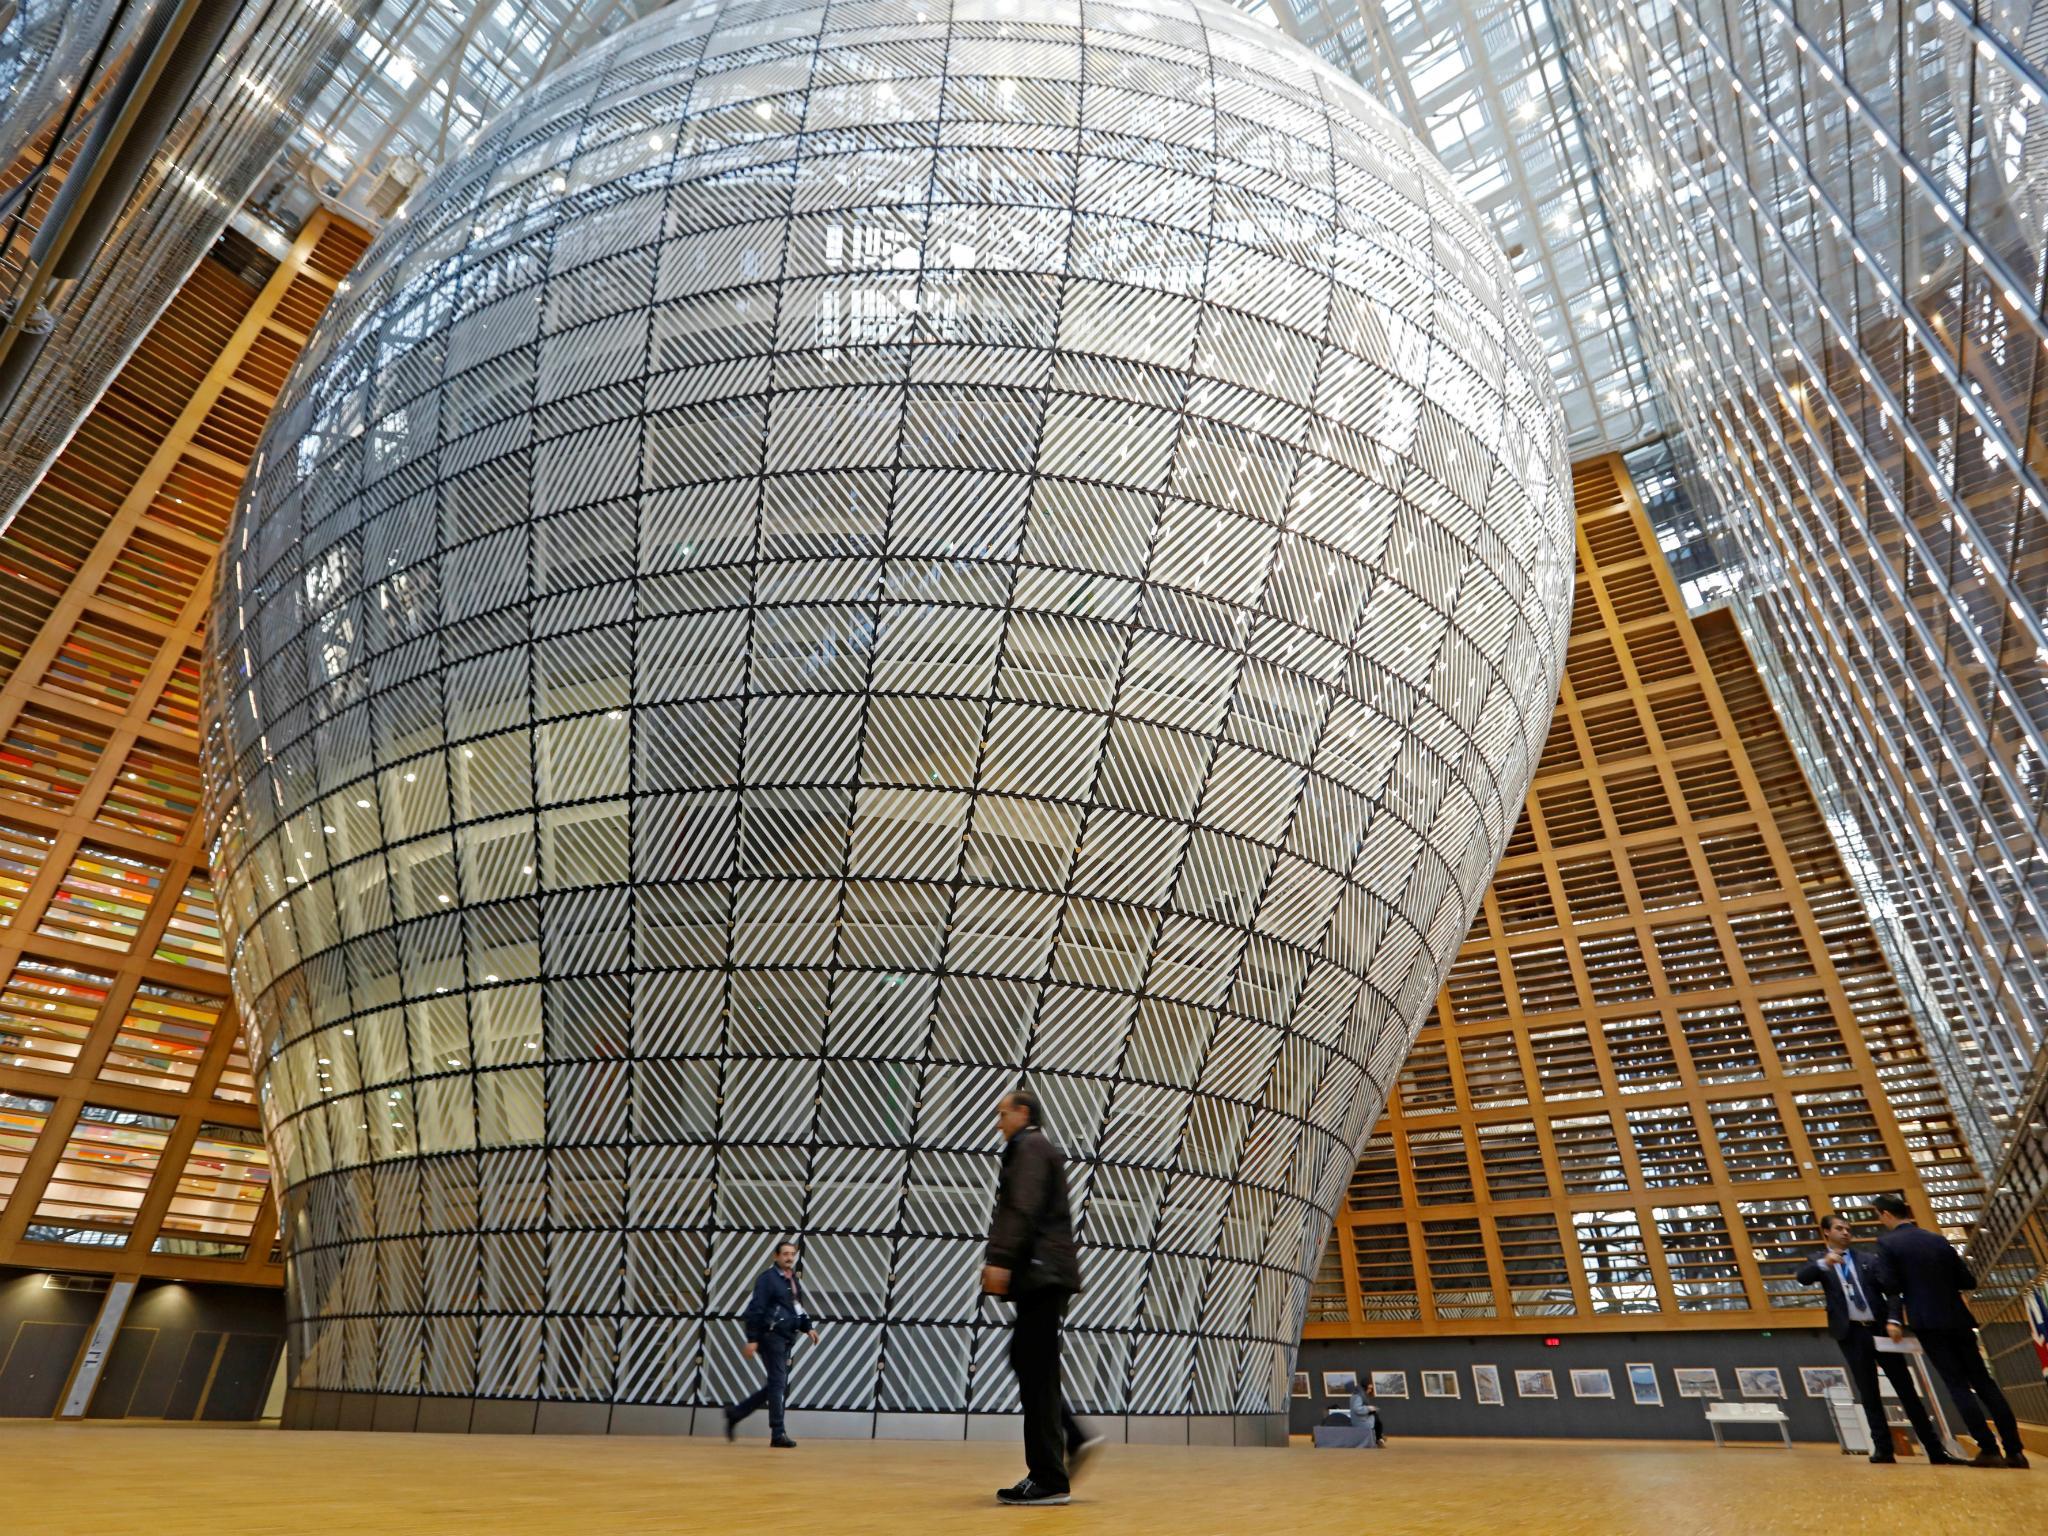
(22, 1118)
(220, 1190)
(46, 757)
(23, 852)
(103, 661)
(163, 1038)
(237, 1083)
(103, 898)
(46, 1013)
(154, 574)
(101, 1177)
(156, 793)
(192, 937)
(178, 706)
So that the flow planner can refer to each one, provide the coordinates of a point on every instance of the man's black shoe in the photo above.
(1986, 1459)
(1943, 1459)
(732, 1424)
(1028, 1492)
(1884, 1458)
(783, 1443)
(2018, 1459)
(1081, 1453)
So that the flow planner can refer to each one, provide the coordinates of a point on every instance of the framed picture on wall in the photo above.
(1442, 1383)
(1389, 1383)
(1820, 1380)
(1643, 1387)
(1760, 1380)
(1535, 1384)
(1697, 1381)
(1486, 1385)
(1339, 1383)
(1301, 1387)
(1592, 1384)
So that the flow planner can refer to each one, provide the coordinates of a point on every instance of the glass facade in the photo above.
(838, 558)
(1832, 219)
(1482, 83)
(75, 314)
(420, 77)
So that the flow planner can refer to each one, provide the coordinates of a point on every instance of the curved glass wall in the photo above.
(837, 559)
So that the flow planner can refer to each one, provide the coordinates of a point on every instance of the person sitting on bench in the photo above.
(1365, 1411)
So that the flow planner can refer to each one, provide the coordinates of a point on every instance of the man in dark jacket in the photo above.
(1031, 1259)
(1854, 1285)
(1928, 1278)
(773, 1319)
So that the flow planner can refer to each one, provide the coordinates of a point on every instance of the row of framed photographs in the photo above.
(1645, 1388)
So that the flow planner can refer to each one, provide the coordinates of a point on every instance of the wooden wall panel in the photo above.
(129, 1140)
(1671, 1040)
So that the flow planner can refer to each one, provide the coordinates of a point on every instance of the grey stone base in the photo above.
(405, 1413)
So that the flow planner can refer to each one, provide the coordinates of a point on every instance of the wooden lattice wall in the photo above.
(129, 1141)
(1671, 1039)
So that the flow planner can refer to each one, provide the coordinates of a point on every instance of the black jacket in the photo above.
(1872, 1273)
(772, 1310)
(1928, 1279)
(1032, 1235)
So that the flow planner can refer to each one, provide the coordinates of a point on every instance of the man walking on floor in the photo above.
(1031, 1259)
(773, 1319)
(1927, 1281)
(1854, 1285)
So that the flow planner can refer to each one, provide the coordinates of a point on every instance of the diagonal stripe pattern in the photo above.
(838, 559)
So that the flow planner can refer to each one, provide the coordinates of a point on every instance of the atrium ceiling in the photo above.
(1479, 80)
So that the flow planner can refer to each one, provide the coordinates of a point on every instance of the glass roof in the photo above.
(422, 77)
(1480, 81)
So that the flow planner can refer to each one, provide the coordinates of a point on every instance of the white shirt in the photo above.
(1855, 1291)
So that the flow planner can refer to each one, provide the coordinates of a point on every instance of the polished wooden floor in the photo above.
(122, 1480)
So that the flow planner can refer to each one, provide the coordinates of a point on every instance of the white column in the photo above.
(112, 1310)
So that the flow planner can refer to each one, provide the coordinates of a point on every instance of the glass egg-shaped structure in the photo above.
(838, 559)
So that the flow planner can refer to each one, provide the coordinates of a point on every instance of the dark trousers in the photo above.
(770, 1394)
(1956, 1359)
(1865, 1359)
(1049, 1428)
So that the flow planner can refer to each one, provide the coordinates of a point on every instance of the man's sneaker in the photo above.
(1081, 1452)
(2018, 1459)
(1028, 1492)
(783, 1443)
(732, 1424)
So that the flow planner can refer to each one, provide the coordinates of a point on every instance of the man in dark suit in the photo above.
(1854, 1285)
(773, 1319)
(1031, 1259)
(1927, 1281)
